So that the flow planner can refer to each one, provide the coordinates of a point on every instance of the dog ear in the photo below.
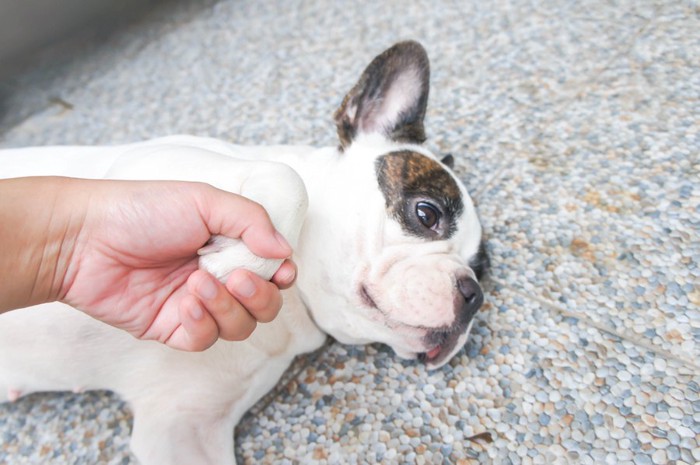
(448, 160)
(390, 98)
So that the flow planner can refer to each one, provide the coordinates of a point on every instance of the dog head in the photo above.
(392, 248)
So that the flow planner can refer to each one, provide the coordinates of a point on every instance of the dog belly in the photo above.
(53, 347)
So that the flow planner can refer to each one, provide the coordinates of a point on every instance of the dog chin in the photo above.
(440, 353)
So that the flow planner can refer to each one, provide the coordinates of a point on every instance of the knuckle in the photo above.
(268, 304)
(238, 329)
(200, 345)
(270, 312)
(245, 332)
(258, 210)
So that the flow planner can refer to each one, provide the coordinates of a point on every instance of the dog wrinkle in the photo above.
(366, 298)
(376, 314)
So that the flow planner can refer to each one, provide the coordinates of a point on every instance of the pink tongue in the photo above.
(433, 352)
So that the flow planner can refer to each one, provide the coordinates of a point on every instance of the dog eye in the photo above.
(428, 214)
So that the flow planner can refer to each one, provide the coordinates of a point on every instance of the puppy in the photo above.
(387, 240)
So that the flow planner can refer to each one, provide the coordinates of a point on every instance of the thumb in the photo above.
(235, 216)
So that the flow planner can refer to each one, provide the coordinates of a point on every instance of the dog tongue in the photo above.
(432, 353)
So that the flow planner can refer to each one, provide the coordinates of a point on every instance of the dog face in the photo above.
(416, 241)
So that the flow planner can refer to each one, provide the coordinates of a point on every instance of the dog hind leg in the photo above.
(165, 435)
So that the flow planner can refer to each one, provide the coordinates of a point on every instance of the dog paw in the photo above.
(221, 255)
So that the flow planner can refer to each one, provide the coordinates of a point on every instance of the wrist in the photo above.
(41, 219)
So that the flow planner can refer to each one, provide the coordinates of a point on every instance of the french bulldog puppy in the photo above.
(387, 241)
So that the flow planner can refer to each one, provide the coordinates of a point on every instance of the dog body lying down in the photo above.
(386, 238)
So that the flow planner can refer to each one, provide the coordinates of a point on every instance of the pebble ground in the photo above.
(575, 126)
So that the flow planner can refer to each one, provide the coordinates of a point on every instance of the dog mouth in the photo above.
(444, 344)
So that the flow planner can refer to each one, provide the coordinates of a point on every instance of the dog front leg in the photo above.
(275, 186)
(163, 435)
(281, 191)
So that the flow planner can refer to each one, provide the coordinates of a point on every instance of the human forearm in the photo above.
(40, 218)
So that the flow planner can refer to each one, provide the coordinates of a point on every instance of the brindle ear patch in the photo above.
(405, 176)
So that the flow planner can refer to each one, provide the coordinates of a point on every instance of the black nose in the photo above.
(473, 298)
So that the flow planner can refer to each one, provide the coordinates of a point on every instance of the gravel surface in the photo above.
(575, 126)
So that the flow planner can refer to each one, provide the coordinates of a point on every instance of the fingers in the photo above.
(233, 321)
(198, 330)
(261, 298)
(285, 276)
(229, 312)
(232, 215)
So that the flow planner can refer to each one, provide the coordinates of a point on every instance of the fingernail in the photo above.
(244, 286)
(207, 289)
(283, 242)
(287, 276)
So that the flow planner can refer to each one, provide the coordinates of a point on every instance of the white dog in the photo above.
(388, 244)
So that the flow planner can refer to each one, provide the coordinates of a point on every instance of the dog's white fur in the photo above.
(186, 405)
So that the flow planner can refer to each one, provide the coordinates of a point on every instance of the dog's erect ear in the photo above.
(390, 98)
(448, 160)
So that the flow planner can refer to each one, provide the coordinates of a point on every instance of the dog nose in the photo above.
(473, 298)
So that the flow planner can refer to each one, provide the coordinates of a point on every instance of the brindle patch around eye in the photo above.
(404, 176)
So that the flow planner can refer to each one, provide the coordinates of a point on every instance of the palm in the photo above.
(131, 271)
(133, 261)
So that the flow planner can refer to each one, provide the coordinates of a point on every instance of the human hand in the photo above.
(133, 261)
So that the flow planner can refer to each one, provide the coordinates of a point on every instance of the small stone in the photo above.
(674, 438)
(658, 443)
(696, 453)
(602, 433)
(673, 453)
(624, 454)
(659, 457)
(619, 421)
(660, 364)
(598, 455)
(642, 459)
(617, 433)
